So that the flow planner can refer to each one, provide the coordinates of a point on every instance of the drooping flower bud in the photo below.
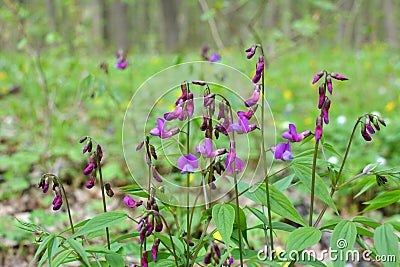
(328, 82)
(83, 139)
(325, 111)
(140, 145)
(129, 201)
(260, 65)
(159, 224)
(251, 51)
(318, 76)
(90, 183)
(109, 190)
(381, 180)
(57, 202)
(88, 169)
(145, 262)
(87, 147)
(368, 125)
(201, 83)
(153, 152)
(156, 175)
(338, 76)
(99, 152)
(364, 133)
(322, 91)
(318, 129)
(154, 249)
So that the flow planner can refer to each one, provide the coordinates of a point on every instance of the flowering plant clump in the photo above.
(207, 124)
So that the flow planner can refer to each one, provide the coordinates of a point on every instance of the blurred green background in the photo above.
(52, 90)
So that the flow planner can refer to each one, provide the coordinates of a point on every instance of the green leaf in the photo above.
(386, 244)
(52, 249)
(383, 200)
(343, 238)
(101, 221)
(366, 221)
(43, 246)
(115, 259)
(165, 263)
(302, 238)
(321, 190)
(78, 248)
(243, 223)
(59, 259)
(284, 183)
(224, 216)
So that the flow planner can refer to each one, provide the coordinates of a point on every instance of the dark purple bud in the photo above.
(139, 203)
(87, 147)
(382, 121)
(140, 225)
(204, 126)
(83, 139)
(150, 229)
(256, 78)
(338, 76)
(364, 133)
(369, 127)
(318, 76)
(156, 175)
(375, 122)
(153, 152)
(325, 111)
(190, 105)
(88, 169)
(318, 129)
(142, 234)
(154, 249)
(90, 184)
(207, 258)
(140, 145)
(251, 51)
(381, 180)
(322, 91)
(99, 152)
(328, 82)
(46, 186)
(57, 202)
(260, 65)
(145, 262)
(159, 224)
(197, 82)
(109, 190)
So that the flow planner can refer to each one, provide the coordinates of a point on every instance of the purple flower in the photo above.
(318, 76)
(214, 57)
(251, 51)
(90, 183)
(246, 115)
(178, 113)
(256, 78)
(282, 151)
(326, 110)
(161, 132)
(232, 159)
(221, 113)
(260, 64)
(204, 125)
(364, 133)
(209, 101)
(183, 97)
(293, 136)
(368, 125)
(122, 64)
(254, 99)
(190, 105)
(242, 126)
(145, 262)
(156, 175)
(338, 77)
(328, 82)
(188, 163)
(322, 92)
(129, 201)
(154, 249)
(318, 129)
(57, 201)
(206, 151)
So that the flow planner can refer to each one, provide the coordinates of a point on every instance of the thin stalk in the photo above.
(264, 158)
(188, 224)
(236, 194)
(200, 243)
(104, 201)
(68, 208)
(314, 166)
(340, 171)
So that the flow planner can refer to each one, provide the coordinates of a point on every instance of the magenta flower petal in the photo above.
(338, 77)
(256, 78)
(318, 129)
(188, 163)
(282, 151)
(254, 99)
(329, 83)
(318, 76)
(129, 201)
(214, 57)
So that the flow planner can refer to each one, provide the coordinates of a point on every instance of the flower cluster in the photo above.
(45, 184)
(213, 256)
(282, 151)
(213, 58)
(324, 103)
(122, 62)
(372, 123)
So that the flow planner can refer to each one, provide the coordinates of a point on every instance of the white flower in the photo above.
(381, 160)
(333, 160)
(341, 119)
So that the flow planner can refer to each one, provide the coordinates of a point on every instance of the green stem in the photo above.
(314, 166)
(340, 171)
(104, 200)
(264, 158)
(188, 226)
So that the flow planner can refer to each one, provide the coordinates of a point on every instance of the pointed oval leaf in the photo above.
(302, 238)
(387, 245)
(101, 221)
(343, 238)
(78, 248)
(224, 217)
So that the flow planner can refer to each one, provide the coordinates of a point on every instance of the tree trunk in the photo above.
(390, 22)
(170, 26)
